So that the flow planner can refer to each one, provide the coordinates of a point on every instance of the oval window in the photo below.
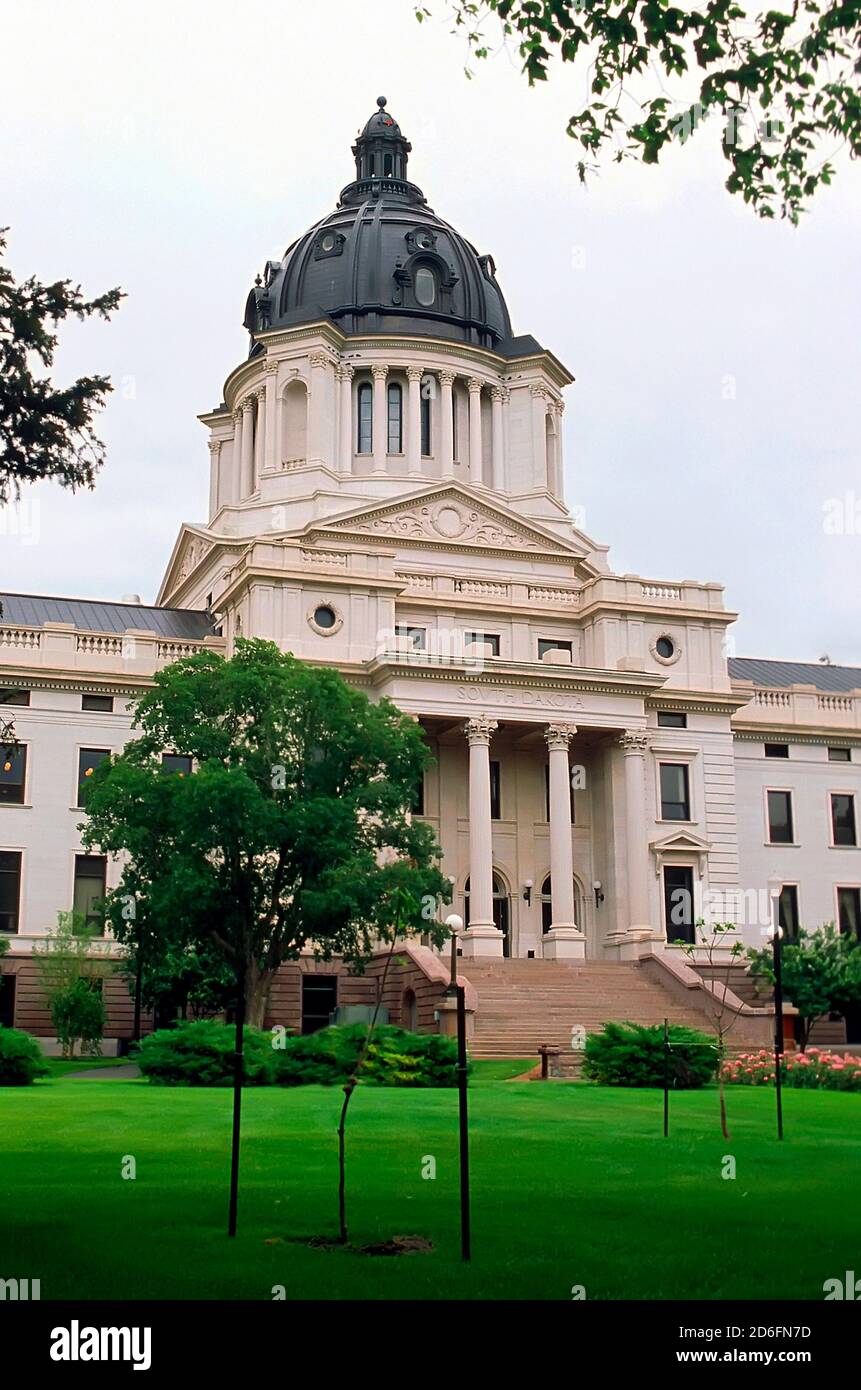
(328, 242)
(665, 647)
(425, 286)
(324, 616)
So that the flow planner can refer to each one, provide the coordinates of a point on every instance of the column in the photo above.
(564, 939)
(270, 459)
(482, 937)
(446, 424)
(634, 744)
(259, 438)
(497, 397)
(215, 498)
(381, 417)
(246, 482)
(539, 433)
(345, 436)
(236, 462)
(414, 419)
(475, 459)
(320, 432)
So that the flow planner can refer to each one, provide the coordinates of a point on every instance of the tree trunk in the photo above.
(258, 984)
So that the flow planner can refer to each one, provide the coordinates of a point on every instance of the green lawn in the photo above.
(572, 1184)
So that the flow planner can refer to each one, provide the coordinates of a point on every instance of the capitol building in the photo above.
(386, 496)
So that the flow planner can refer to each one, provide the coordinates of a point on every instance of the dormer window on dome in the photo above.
(425, 286)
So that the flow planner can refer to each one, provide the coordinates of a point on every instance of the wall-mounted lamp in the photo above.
(599, 896)
(527, 892)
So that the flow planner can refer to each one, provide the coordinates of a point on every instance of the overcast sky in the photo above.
(171, 148)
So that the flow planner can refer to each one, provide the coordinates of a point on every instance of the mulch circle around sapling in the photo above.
(395, 1245)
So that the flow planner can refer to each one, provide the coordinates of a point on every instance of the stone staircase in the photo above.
(525, 1003)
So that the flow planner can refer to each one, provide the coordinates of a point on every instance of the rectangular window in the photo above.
(103, 703)
(777, 750)
(10, 889)
(849, 911)
(675, 792)
(15, 697)
(426, 425)
(90, 878)
(780, 829)
(7, 1001)
(319, 1001)
(88, 760)
(547, 796)
(672, 719)
(491, 638)
(395, 415)
(843, 819)
(840, 755)
(178, 763)
(787, 911)
(416, 636)
(13, 774)
(495, 792)
(365, 412)
(546, 645)
(679, 903)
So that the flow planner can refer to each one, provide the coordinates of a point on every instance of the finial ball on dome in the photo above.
(381, 101)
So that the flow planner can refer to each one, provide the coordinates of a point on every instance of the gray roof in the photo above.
(782, 673)
(96, 615)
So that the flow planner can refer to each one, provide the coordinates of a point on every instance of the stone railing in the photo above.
(62, 647)
(98, 644)
(798, 705)
(20, 637)
(481, 588)
(543, 593)
(662, 592)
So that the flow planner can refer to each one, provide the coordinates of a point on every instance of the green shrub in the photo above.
(201, 1054)
(21, 1059)
(631, 1054)
(395, 1058)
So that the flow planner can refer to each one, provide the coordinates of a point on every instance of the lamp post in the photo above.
(455, 925)
(776, 932)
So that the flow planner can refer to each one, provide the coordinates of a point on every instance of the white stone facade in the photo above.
(421, 544)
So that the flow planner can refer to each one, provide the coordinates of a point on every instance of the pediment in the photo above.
(448, 517)
(680, 842)
(191, 548)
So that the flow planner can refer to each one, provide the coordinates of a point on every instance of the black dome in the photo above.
(383, 262)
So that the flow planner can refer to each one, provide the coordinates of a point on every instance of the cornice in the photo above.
(696, 701)
(518, 673)
(788, 733)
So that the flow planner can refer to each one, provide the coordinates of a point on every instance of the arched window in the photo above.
(426, 423)
(425, 286)
(501, 916)
(365, 401)
(547, 905)
(294, 419)
(396, 419)
(387, 165)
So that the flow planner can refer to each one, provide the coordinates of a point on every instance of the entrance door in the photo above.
(679, 903)
(319, 1001)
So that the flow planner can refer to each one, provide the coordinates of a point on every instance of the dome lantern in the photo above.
(381, 150)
